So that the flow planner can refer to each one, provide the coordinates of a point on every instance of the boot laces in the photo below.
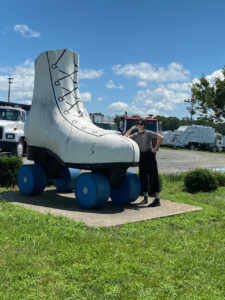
(68, 92)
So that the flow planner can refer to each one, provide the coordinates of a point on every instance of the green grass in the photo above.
(52, 257)
(186, 149)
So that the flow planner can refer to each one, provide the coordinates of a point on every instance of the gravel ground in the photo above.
(175, 161)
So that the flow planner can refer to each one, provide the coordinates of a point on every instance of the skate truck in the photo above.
(61, 140)
(12, 136)
(151, 124)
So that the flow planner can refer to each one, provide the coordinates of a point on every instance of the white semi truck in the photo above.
(12, 136)
(167, 135)
(196, 136)
(104, 122)
(99, 118)
(221, 146)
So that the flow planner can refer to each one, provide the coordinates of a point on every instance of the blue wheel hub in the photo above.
(31, 179)
(92, 190)
(129, 190)
(67, 181)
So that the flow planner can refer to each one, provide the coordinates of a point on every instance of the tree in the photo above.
(117, 120)
(207, 100)
(136, 116)
(191, 107)
(170, 123)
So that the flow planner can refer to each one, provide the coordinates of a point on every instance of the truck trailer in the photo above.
(195, 136)
(99, 118)
(104, 122)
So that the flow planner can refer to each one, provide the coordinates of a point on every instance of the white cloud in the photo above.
(111, 85)
(86, 96)
(82, 85)
(101, 98)
(159, 94)
(6, 29)
(185, 86)
(21, 96)
(218, 74)
(120, 108)
(26, 31)
(6, 70)
(145, 71)
(89, 73)
(165, 106)
(163, 100)
(23, 82)
(3, 83)
(179, 86)
(142, 83)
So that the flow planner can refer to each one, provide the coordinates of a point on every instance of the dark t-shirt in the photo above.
(144, 139)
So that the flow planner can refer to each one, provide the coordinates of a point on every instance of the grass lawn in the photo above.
(180, 257)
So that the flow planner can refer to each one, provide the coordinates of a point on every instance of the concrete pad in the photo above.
(65, 204)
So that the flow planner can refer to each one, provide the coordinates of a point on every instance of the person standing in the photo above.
(147, 163)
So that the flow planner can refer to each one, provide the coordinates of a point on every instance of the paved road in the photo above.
(175, 161)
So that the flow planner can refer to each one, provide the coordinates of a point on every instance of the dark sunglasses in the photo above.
(141, 124)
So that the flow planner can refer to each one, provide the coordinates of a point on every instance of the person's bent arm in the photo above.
(127, 134)
(159, 141)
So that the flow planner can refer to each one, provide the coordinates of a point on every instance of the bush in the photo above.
(220, 177)
(9, 167)
(200, 180)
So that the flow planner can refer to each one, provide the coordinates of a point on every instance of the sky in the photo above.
(135, 56)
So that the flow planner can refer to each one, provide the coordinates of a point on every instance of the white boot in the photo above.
(59, 122)
(61, 137)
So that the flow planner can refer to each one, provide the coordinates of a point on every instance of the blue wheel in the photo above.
(67, 181)
(31, 179)
(92, 190)
(129, 190)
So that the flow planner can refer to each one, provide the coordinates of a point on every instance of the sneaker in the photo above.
(144, 201)
(155, 203)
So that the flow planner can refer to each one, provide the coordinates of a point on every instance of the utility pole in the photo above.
(10, 81)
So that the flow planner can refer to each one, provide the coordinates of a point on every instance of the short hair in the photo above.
(142, 120)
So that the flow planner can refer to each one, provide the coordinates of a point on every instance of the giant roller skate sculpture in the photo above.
(62, 139)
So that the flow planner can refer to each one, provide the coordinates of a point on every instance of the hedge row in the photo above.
(9, 167)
